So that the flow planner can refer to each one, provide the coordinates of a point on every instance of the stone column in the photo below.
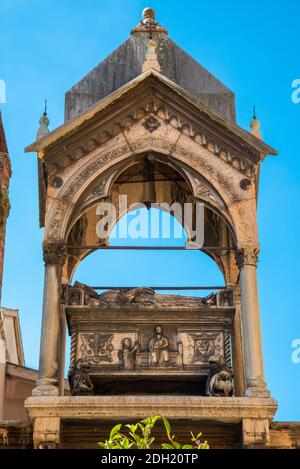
(54, 258)
(237, 345)
(247, 259)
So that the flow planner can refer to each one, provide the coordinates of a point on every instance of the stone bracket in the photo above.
(256, 433)
(46, 432)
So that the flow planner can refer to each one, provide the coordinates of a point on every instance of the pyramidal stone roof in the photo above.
(126, 62)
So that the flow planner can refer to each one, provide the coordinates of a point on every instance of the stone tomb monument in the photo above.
(151, 124)
(138, 342)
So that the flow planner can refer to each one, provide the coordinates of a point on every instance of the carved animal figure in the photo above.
(221, 377)
(79, 380)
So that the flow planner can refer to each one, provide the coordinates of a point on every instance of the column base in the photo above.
(257, 390)
(45, 390)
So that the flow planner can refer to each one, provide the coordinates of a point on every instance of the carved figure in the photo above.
(4, 435)
(127, 355)
(220, 381)
(210, 300)
(75, 298)
(159, 348)
(226, 298)
(117, 296)
(79, 380)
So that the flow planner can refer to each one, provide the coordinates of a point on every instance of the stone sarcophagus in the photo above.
(125, 341)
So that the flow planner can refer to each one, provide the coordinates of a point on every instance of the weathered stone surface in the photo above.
(126, 63)
(15, 434)
(255, 432)
(225, 409)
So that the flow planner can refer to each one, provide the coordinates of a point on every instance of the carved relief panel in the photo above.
(96, 347)
(199, 347)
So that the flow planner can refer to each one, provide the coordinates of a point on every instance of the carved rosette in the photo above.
(54, 253)
(247, 255)
(151, 124)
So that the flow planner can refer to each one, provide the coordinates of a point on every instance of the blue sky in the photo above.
(253, 47)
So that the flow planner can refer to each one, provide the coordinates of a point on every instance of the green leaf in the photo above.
(155, 418)
(167, 446)
(188, 447)
(115, 430)
(132, 428)
(167, 425)
(102, 445)
(204, 445)
(177, 445)
(136, 438)
(145, 421)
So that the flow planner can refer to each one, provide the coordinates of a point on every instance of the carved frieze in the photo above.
(192, 159)
(91, 169)
(149, 110)
(97, 191)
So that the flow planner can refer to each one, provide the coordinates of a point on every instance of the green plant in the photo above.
(138, 436)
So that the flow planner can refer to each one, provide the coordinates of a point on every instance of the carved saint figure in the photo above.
(127, 354)
(159, 348)
(79, 380)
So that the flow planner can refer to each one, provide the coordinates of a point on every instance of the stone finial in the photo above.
(148, 24)
(151, 60)
(255, 126)
(44, 122)
(148, 15)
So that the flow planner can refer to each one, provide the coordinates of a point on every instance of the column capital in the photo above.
(54, 253)
(247, 255)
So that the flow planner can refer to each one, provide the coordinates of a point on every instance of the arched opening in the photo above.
(149, 180)
(150, 267)
(155, 296)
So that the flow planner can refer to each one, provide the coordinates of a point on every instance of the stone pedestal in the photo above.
(46, 413)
